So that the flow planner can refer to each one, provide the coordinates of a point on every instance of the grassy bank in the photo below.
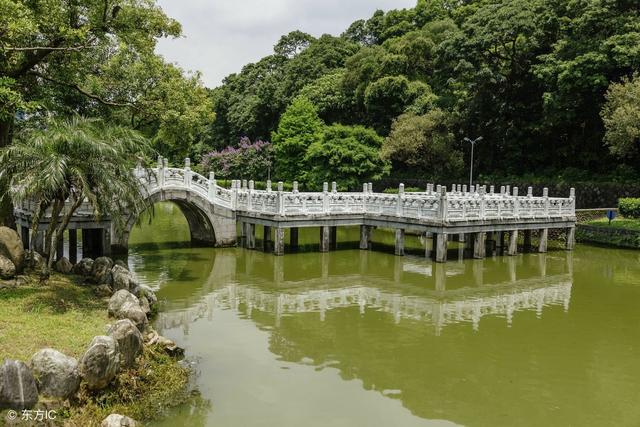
(619, 223)
(64, 315)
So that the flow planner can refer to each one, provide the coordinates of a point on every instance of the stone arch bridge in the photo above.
(481, 218)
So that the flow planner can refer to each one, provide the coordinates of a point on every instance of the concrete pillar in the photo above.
(243, 234)
(365, 237)
(399, 242)
(325, 238)
(333, 238)
(73, 246)
(500, 242)
(251, 236)
(571, 238)
(513, 243)
(60, 249)
(479, 245)
(293, 238)
(266, 238)
(542, 244)
(24, 235)
(39, 242)
(428, 244)
(278, 246)
(441, 247)
(527, 241)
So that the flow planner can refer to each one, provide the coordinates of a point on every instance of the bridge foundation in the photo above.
(479, 245)
(365, 237)
(294, 238)
(325, 238)
(441, 247)
(278, 245)
(542, 243)
(513, 243)
(399, 247)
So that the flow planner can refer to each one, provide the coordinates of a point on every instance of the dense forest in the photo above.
(549, 85)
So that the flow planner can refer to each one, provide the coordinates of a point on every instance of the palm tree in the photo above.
(66, 162)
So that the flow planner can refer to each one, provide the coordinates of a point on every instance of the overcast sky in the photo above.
(220, 36)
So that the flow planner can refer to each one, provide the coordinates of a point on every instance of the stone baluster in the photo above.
(280, 198)
(334, 187)
(187, 172)
(508, 192)
(269, 186)
(244, 184)
(160, 176)
(234, 194)
(472, 189)
(572, 197)
(516, 202)
(212, 186)
(295, 187)
(492, 190)
(370, 187)
(399, 207)
(249, 196)
(529, 192)
(325, 197)
(502, 190)
(442, 191)
(464, 189)
(482, 192)
(365, 188)
(545, 195)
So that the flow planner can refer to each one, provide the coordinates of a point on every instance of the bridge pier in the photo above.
(73, 246)
(571, 239)
(365, 237)
(441, 247)
(333, 238)
(266, 238)
(251, 235)
(399, 247)
(278, 246)
(526, 247)
(60, 249)
(513, 243)
(479, 245)
(542, 243)
(325, 238)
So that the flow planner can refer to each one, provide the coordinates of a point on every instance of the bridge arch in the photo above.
(209, 224)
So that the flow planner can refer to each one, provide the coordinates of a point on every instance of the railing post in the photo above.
(295, 186)
(482, 202)
(399, 207)
(268, 186)
(234, 194)
(160, 172)
(365, 187)
(334, 187)
(187, 172)
(325, 197)
(516, 203)
(280, 198)
(249, 198)
(212, 186)
(545, 195)
(443, 202)
(370, 187)
(572, 196)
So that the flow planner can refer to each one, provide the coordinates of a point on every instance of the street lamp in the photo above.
(473, 143)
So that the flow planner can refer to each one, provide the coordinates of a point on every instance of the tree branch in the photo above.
(84, 92)
(46, 48)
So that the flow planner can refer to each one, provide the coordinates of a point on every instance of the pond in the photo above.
(365, 338)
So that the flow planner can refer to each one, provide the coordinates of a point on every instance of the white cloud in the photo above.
(222, 36)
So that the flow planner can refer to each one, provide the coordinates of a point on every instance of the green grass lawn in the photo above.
(59, 314)
(628, 224)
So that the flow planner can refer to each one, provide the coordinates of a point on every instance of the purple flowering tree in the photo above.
(247, 160)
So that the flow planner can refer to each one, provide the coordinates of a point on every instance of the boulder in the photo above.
(144, 305)
(103, 291)
(117, 420)
(7, 268)
(170, 347)
(123, 278)
(100, 363)
(132, 311)
(17, 386)
(118, 299)
(83, 268)
(101, 270)
(56, 375)
(64, 266)
(129, 341)
(11, 247)
(37, 261)
(147, 292)
(122, 264)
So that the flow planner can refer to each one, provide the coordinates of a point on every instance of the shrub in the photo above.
(629, 207)
(250, 160)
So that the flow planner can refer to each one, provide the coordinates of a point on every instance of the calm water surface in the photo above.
(359, 338)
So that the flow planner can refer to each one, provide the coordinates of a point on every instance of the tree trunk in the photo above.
(59, 232)
(6, 206)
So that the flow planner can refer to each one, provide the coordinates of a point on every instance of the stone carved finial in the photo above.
(244, 184)
(492, 189)
(529, 191)
(515, 191)
(325, 187)
(280, 186)
(187, 163)
(364, 187)
(269, 185)
(502, 189)
(295, 186)
(334, 187)
(572, 193)
(464, 188)
(401, 189)
(160, 162)
(545, 192)
(370, 187)
(165, 162)
(251, 185)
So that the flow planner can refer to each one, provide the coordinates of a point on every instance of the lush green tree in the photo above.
(349, 155)
(328, 96)
(621, 116)
(386, 98)
(293, 43)
(299, 127)
(425, 145)
(67, 162)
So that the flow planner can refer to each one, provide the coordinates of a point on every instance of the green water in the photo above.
(364, 338)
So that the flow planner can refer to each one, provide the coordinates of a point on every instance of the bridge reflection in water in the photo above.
(463, 292)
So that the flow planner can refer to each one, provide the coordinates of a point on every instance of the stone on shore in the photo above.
(148, 293)
(7, 268)
(103, 291)
(122, 278)
(17, 386)
(11, 247)
(56, 374)
(101, 270)
(135, 313)
(64, 266)
(117, 420)
(118, 299)
(100, 363)
(129, 340)
(83, 268)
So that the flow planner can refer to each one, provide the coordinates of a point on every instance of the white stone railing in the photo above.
(436, 203)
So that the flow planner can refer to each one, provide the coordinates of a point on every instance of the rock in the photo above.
(129, 341)
(56, 375)
(145, 291)
(144, 305)
(17, 386)
(64, 266)
(101, 270)
(170, 347)
(123, 278)
(11, 247)
(135, 313)
(83, 268)
(117, 420)
(7, 268)
(118, 299)
(37, 262)
(103, 291)
(100, 363)
(122, 264)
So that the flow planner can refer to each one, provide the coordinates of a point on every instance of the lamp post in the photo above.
(473, 143)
